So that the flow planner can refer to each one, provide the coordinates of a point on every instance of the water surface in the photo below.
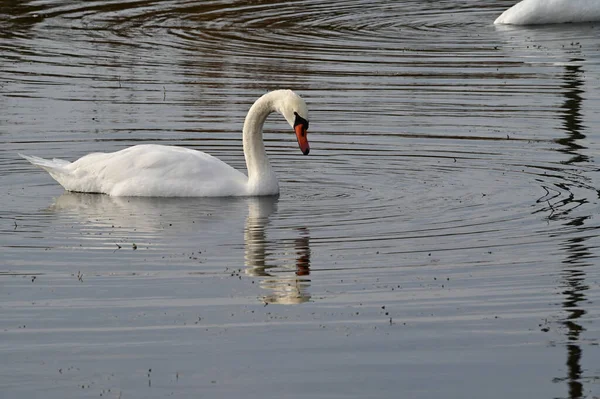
(440, 240)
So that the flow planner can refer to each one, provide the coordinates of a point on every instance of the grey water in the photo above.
(440, 240)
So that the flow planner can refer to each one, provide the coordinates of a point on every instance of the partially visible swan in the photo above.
(532, 12)
(150, 170)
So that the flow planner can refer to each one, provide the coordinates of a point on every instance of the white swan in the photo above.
(150, 170)
(532, 12)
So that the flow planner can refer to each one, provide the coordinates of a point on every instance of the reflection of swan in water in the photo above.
(577, 249)
(286, 288)
(152, 215)
(532, 12)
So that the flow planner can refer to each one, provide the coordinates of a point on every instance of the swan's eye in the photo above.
(300, 121)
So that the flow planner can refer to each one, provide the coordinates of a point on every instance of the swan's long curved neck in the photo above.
(257, 162)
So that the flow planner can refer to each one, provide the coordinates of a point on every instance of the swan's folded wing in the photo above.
(158, 171)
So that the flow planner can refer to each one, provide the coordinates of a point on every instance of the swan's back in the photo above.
(531, 12)
(147, 170)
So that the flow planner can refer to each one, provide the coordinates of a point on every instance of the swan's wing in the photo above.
(153, 170)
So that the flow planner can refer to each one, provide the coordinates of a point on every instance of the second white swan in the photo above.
(535, 12)
(151, 170)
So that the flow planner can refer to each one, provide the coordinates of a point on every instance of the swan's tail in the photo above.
(62, 171)
(50, 165)
(56, 167)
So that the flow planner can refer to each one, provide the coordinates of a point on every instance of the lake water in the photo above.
(440, 240)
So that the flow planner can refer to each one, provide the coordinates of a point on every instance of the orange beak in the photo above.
(302, 139)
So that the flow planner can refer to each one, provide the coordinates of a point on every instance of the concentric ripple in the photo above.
(420, 127)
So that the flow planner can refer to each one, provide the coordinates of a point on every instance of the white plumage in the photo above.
(150, 170)
(532, 12)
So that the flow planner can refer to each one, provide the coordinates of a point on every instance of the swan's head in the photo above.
(294, 110)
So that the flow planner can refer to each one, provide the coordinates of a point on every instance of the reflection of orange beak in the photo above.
(302, 139)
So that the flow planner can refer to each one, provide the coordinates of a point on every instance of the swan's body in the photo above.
(148, 170)
(532, 12)
(151, 170)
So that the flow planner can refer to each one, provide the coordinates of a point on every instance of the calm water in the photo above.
(440, 240)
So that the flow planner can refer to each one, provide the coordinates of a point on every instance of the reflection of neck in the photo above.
(255, 237)
(572, 117)
(302, 247)
(283, 289)
(574, 276)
